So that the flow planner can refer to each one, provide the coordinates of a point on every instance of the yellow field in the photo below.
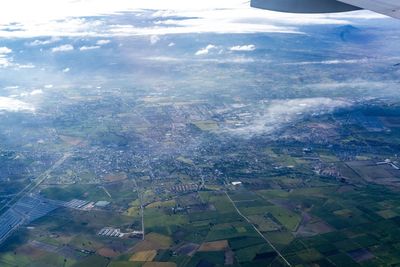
(214, 246)
(144, 245)
(147, 255)
(162, 240)
(133, 211)
(107, 252)
(153, 241)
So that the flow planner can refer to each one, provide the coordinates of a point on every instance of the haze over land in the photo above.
(219, 134)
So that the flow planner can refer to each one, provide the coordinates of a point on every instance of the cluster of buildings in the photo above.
(114, 232)
(25, 211)
(183, 188)
(78, 204)
(110, 232)
(32, 207)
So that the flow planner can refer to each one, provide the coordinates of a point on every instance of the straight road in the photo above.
(258, 231)
(35, 183)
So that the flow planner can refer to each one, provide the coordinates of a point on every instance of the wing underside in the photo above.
(387, 7)
(303, 6)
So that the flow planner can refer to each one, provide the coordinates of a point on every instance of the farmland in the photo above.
(249, 149)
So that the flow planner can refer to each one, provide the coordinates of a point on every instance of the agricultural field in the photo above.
(200, 150)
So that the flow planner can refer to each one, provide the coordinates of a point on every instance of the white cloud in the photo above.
(202, 52)
(5, 50)
(171, 44)
(24, 66)
(66, 70)
(36, 92)
(14, 105)
(77, 18)
(44, 42)
(205, 51)
(331, 62)
(48, 86)
(230, 60)
(103, 42)
(164, 59)
(33, 93)
(62, 48)
(84, 48)
(243, 48)
(203, 25)
(5, 61)
(278, 113)
(154, 39)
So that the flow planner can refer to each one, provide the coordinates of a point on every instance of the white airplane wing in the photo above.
(386, 7)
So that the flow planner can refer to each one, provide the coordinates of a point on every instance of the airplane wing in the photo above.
(387, 7)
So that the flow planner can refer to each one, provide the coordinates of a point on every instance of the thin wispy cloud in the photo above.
(36, 92)
(5, 61)
(205, 50)
(62, 48)
(32, 93)
(103, 42)
(154, 39)
(330, 62)
(38, 42)
(85, 48)
(244, 48)
(279, 113)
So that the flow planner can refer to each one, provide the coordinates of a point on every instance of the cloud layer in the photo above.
(80, 18)
(279, 113)
(14, 105)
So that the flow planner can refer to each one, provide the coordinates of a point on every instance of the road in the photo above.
(258, 231)
(140, 196)
(106, 191)
(142, 212)
(38, 181)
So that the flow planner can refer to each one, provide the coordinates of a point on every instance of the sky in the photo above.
(53, 25)
(89, 18)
